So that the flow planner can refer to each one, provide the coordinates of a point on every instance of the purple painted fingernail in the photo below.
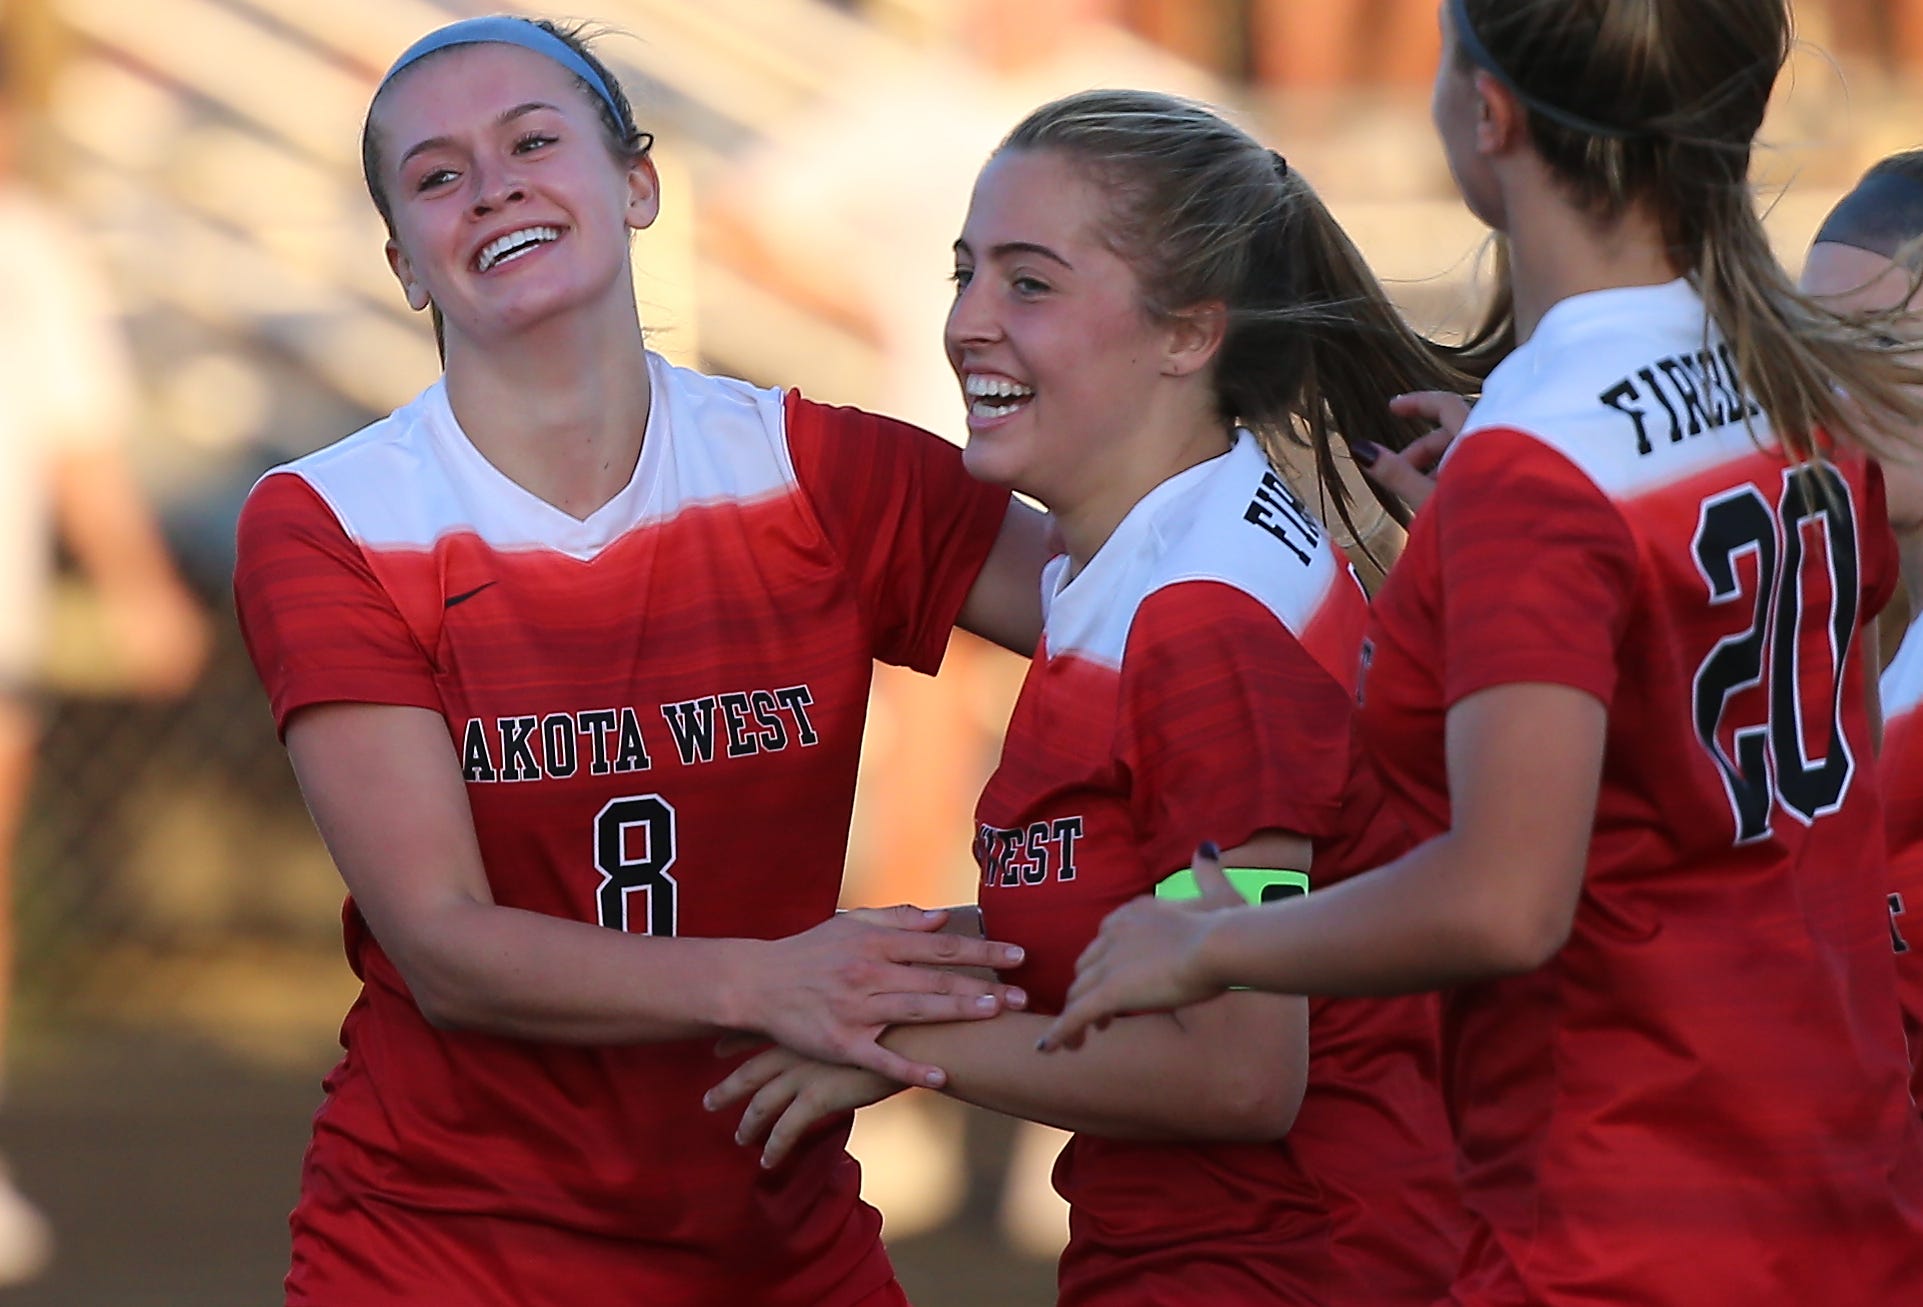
(1211, 850)
(1365, 452)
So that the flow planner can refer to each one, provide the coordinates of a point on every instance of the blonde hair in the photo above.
(1657, 105)
(1205, 213)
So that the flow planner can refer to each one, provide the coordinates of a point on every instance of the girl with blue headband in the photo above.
(1616, 685)
(571, 657)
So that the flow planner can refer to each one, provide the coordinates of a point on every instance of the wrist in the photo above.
(733, 1002)
(1203, 962)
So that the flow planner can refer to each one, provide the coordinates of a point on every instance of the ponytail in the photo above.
(1659, 103)
(1323, 356)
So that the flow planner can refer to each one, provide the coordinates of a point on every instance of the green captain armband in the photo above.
(1256, 884)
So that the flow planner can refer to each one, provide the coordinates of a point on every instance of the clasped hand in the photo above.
(789, 1095)
(1145, 958)
(829, 993)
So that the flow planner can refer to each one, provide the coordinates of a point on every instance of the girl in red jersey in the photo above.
(571, 656)
(1864, 260)
(1616, 683)
(1140, 286)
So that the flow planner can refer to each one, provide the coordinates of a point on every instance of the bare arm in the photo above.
(1232, 1068)
(385, 790)
(1005, 603)
(1495, 895)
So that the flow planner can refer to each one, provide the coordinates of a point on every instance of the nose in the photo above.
(971, 318)
(495, 188)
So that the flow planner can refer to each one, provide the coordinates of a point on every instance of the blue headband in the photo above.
(1479, 55)
(502, 29)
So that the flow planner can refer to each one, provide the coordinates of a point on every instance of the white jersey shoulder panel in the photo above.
(413, 477)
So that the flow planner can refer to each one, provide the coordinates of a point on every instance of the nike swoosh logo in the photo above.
(465, 595)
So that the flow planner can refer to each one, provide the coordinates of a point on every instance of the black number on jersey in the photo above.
(1766, 763)
(633, 850)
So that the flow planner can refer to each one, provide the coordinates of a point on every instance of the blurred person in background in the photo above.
(1147, 302)
(571, 656)
(66, 406)
(1618, 684)
(1866, 259)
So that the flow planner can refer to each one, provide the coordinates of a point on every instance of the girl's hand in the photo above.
(1146, 958)
(1409, 474)
(790, 1095)
(831, 991)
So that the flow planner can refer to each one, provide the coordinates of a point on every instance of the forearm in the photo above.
(505, 971)
(1426, 921)
(1233, 1068)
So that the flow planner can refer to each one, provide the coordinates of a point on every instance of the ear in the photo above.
(644, 193)
(1194, 338)
(403, 270)
(1501, 121)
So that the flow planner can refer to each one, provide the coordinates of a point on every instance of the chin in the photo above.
(990, 463)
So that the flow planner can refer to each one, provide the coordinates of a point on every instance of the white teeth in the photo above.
(515, 243)
(979, 385)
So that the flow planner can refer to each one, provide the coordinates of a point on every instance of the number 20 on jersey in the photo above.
(1767, 764)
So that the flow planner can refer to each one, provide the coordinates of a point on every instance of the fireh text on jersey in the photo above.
(558, 745)
(1277, 511)
(1682, 395)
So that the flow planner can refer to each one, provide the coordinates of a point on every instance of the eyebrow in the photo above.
(1007, 248)
(507, 116)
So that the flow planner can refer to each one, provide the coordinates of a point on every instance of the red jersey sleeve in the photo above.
(1538, 569)
(317, 623)
(1228, 726)
(910, 524)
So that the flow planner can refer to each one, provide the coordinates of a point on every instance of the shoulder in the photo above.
(1246, 530)
(704, 395)
(1632, 387)
(377, 483)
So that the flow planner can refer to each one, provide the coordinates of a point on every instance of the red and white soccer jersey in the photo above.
(658, 711)
(1700, 1099)
(1901, 772)
(1195, 682)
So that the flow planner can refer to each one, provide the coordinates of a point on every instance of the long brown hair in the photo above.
(1205, 213)
(1656, 104)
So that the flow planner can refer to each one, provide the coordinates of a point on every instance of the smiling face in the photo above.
(508, 206)
(1059, 361)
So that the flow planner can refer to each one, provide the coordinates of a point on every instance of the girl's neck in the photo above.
(1556, 251)
(559, 409)
(1088, 512)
